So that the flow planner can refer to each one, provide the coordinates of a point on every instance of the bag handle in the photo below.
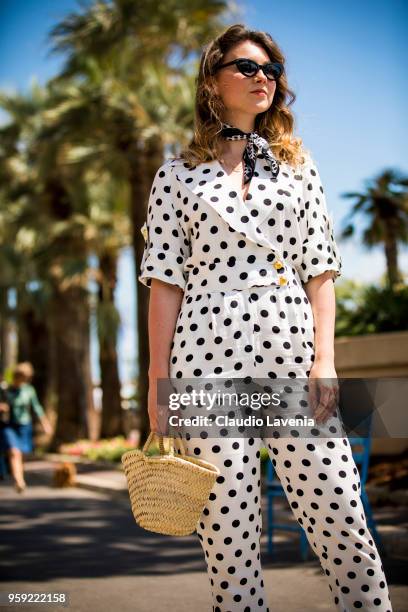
(172, 439)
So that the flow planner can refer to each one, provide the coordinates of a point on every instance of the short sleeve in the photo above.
(166, 246)
(35, 403)
(319, 249)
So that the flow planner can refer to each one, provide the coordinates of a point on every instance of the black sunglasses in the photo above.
(249, 68)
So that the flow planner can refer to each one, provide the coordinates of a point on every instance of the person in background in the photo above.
(16, 430)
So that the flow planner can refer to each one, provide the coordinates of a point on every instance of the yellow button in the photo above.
(278, 265)
(282, 280)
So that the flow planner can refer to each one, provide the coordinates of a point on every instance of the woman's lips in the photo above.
(259, 93)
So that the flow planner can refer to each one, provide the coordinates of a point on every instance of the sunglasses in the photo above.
(249, 68)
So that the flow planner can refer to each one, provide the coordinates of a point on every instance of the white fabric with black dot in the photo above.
(198, 222)
(244, 313)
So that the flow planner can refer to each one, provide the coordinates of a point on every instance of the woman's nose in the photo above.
(260, 76)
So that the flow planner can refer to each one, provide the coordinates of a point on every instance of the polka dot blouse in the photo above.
(201, 235)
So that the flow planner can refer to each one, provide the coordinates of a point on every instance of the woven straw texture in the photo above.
(167, 492)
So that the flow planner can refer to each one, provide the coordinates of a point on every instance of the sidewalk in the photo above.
(102, 477)
(392, 520)
(91, 548)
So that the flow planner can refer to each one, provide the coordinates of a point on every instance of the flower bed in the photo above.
(106, 449)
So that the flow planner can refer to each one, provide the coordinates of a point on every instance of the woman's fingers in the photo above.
(162, 419)
(322, 409)
(313, 393)
(158, 414)
(327, 402)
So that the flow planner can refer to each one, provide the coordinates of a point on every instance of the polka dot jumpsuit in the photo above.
(244, 313)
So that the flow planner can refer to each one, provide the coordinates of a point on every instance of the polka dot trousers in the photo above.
(266, 334)
(322, 485)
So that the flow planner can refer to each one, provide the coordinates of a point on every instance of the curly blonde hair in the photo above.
(275, 124)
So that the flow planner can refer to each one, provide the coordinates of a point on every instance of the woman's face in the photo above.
(236, 90)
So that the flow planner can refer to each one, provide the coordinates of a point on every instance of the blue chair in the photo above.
(361, 448)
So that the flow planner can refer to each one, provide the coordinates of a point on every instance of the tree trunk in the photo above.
(33, 343)
(5, 329)
(70, 316)
(108, 322)
(69, 319)
(391, 256)
(142, 171)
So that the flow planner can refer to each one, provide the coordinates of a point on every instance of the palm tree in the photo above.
(385, 207)
(50, 245)
(135, 46)
(16, 188)
(111, 202)
(137, 34)
(90, 116)
(127, 135)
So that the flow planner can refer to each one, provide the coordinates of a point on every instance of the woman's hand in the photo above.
(158, 413)
(323, 390)
(46, 425)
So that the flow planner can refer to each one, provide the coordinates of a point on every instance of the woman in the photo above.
(241, 260)
(16, 432)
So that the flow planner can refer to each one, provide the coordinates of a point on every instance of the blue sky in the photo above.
(345, 62)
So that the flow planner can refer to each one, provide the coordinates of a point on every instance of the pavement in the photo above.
(83, 540)
(105, 478)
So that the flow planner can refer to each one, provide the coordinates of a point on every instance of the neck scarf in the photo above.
(255, 142)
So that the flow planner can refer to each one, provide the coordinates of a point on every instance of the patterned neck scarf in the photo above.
(255, 142)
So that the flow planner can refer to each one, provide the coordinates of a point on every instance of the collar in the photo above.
(210, 182)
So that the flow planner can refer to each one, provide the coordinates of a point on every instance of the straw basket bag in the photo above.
(167, 492)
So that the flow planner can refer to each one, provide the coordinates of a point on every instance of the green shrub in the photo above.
(370, 309)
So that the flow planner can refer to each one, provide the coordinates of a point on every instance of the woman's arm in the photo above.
(320, 292)
(167, 248)
(164, 307)
(39, 411)
(319, 267)
(321, 295)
